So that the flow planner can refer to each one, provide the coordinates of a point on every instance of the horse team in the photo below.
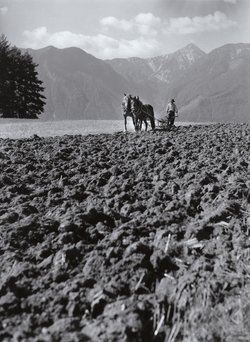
(140, 113)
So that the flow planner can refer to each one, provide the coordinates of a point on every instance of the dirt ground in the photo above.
(126, 237)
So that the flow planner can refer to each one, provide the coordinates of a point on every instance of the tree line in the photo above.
(21, 91)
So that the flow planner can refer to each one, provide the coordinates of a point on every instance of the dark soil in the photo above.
(126, 237)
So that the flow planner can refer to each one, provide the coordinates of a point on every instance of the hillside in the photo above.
(163, 68)
(78, 85)
(154, 76)
(217, 87)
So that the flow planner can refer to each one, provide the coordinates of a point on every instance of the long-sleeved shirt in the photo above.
(171, 107)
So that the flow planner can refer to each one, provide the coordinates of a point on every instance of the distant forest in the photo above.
(21, 91)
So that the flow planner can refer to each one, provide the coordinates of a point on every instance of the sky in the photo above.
(125, 28)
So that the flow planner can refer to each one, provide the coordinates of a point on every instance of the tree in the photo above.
(4, 73)
(20, 88)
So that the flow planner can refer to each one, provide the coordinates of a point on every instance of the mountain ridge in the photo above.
(77, 84)
(220, 86)
(81, 86)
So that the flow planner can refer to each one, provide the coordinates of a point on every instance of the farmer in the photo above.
(172, 112)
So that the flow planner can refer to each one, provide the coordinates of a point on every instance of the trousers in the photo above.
(171, 118)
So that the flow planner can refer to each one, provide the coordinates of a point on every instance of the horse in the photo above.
(126, 108)
(142, 113)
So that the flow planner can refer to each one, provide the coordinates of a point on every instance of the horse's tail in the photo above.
(152, 118)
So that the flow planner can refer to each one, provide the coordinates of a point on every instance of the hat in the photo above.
(172, 100)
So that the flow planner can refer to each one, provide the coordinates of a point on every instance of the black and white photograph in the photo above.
(125, 170)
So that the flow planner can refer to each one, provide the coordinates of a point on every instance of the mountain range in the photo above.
(206, 86)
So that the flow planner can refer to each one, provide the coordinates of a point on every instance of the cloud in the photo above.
(231, 1)
(114, 23)
(41, 37)
(146, 24)
(212, 22)
(100, 45)
(141, 36)
(143, 23)
(3, 10)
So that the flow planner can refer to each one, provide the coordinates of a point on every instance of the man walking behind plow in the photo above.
(172, 112)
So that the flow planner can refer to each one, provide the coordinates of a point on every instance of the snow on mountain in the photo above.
(165, 67)
(154, 76)
(206, 87)
(217, 87)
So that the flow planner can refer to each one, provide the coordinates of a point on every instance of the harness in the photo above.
(140, 110)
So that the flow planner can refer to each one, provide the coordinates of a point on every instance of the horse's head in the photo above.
(126, 103)
(135, 104)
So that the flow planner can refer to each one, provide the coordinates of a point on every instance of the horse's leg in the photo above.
(134, 121)
(137, 124)
(140, 123)
(146, 124)
(125, 122)
(152, 119)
